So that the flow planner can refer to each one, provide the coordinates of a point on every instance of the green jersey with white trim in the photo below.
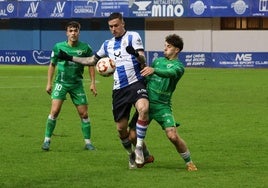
(69, 72)
(161, 84)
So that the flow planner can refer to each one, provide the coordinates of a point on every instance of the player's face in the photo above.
(72, 34)
(117, 27)
(170, 51)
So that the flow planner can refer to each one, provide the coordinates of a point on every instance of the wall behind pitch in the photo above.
(205, 35)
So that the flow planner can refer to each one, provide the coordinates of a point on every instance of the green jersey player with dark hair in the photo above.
(162, 78)
(69, 79)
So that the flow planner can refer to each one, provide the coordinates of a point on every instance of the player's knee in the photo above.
(84, 116)
(142, 107)
(172, 135)
(143, 113)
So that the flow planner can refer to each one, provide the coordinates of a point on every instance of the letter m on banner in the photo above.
(243, 57)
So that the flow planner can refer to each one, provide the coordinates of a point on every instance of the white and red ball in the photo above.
(105, 66)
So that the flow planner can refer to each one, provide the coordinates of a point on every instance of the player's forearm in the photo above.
(50, 74)
(85, 60)
(141, 59)
(92, 74)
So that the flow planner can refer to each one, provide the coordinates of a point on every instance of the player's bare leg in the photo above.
(181, 147)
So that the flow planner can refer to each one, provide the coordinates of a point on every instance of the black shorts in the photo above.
(125, 98)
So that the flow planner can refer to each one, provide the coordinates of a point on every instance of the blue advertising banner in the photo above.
(189, 59)
(132, 8)
(24, 57)
(240, 60)
(219, 60)
(219, 8)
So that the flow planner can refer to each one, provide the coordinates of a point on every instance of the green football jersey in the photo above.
(69, 72)
(162, 83)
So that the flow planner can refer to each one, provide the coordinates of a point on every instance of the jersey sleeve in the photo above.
(53, 56)
(137, 41)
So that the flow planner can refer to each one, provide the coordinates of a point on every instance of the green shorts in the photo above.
(76, 91)
(163, 116)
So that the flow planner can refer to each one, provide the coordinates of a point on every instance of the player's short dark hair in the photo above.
(175, 40)
(73, 24)
(115, 15)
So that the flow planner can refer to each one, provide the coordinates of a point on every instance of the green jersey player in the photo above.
(162, 78)
(69, 79)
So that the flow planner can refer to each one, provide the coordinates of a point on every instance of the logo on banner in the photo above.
(32, 10)
(167, 8)
(89, 8)
(142, 4)
(12, 57)
(58, 10)
(10, 8)
(198, 7)
(263, 5)
(243, 57)
(239, 7)
(142, 7)
(40, 57)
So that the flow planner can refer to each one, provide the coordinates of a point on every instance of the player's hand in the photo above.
(132, 51)
(64, 56)
(146, 71)
(93, 89)
(49, 89)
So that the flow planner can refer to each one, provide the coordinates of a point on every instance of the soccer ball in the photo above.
(105, 66)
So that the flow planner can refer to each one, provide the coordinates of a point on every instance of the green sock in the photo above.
(50, 126)
(186, 156)
(86, 128)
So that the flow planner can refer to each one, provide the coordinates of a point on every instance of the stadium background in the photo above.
(232, 33)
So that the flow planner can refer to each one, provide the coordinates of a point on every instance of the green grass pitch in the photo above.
(223, 115)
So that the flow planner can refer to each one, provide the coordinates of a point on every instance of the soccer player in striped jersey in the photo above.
(127, 51)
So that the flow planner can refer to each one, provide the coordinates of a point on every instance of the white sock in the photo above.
(87, 141)
(139, 142)
(47, 139)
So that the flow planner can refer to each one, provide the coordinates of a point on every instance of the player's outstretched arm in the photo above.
(91, 61)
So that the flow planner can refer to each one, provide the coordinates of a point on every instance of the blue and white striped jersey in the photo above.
(127, 67)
